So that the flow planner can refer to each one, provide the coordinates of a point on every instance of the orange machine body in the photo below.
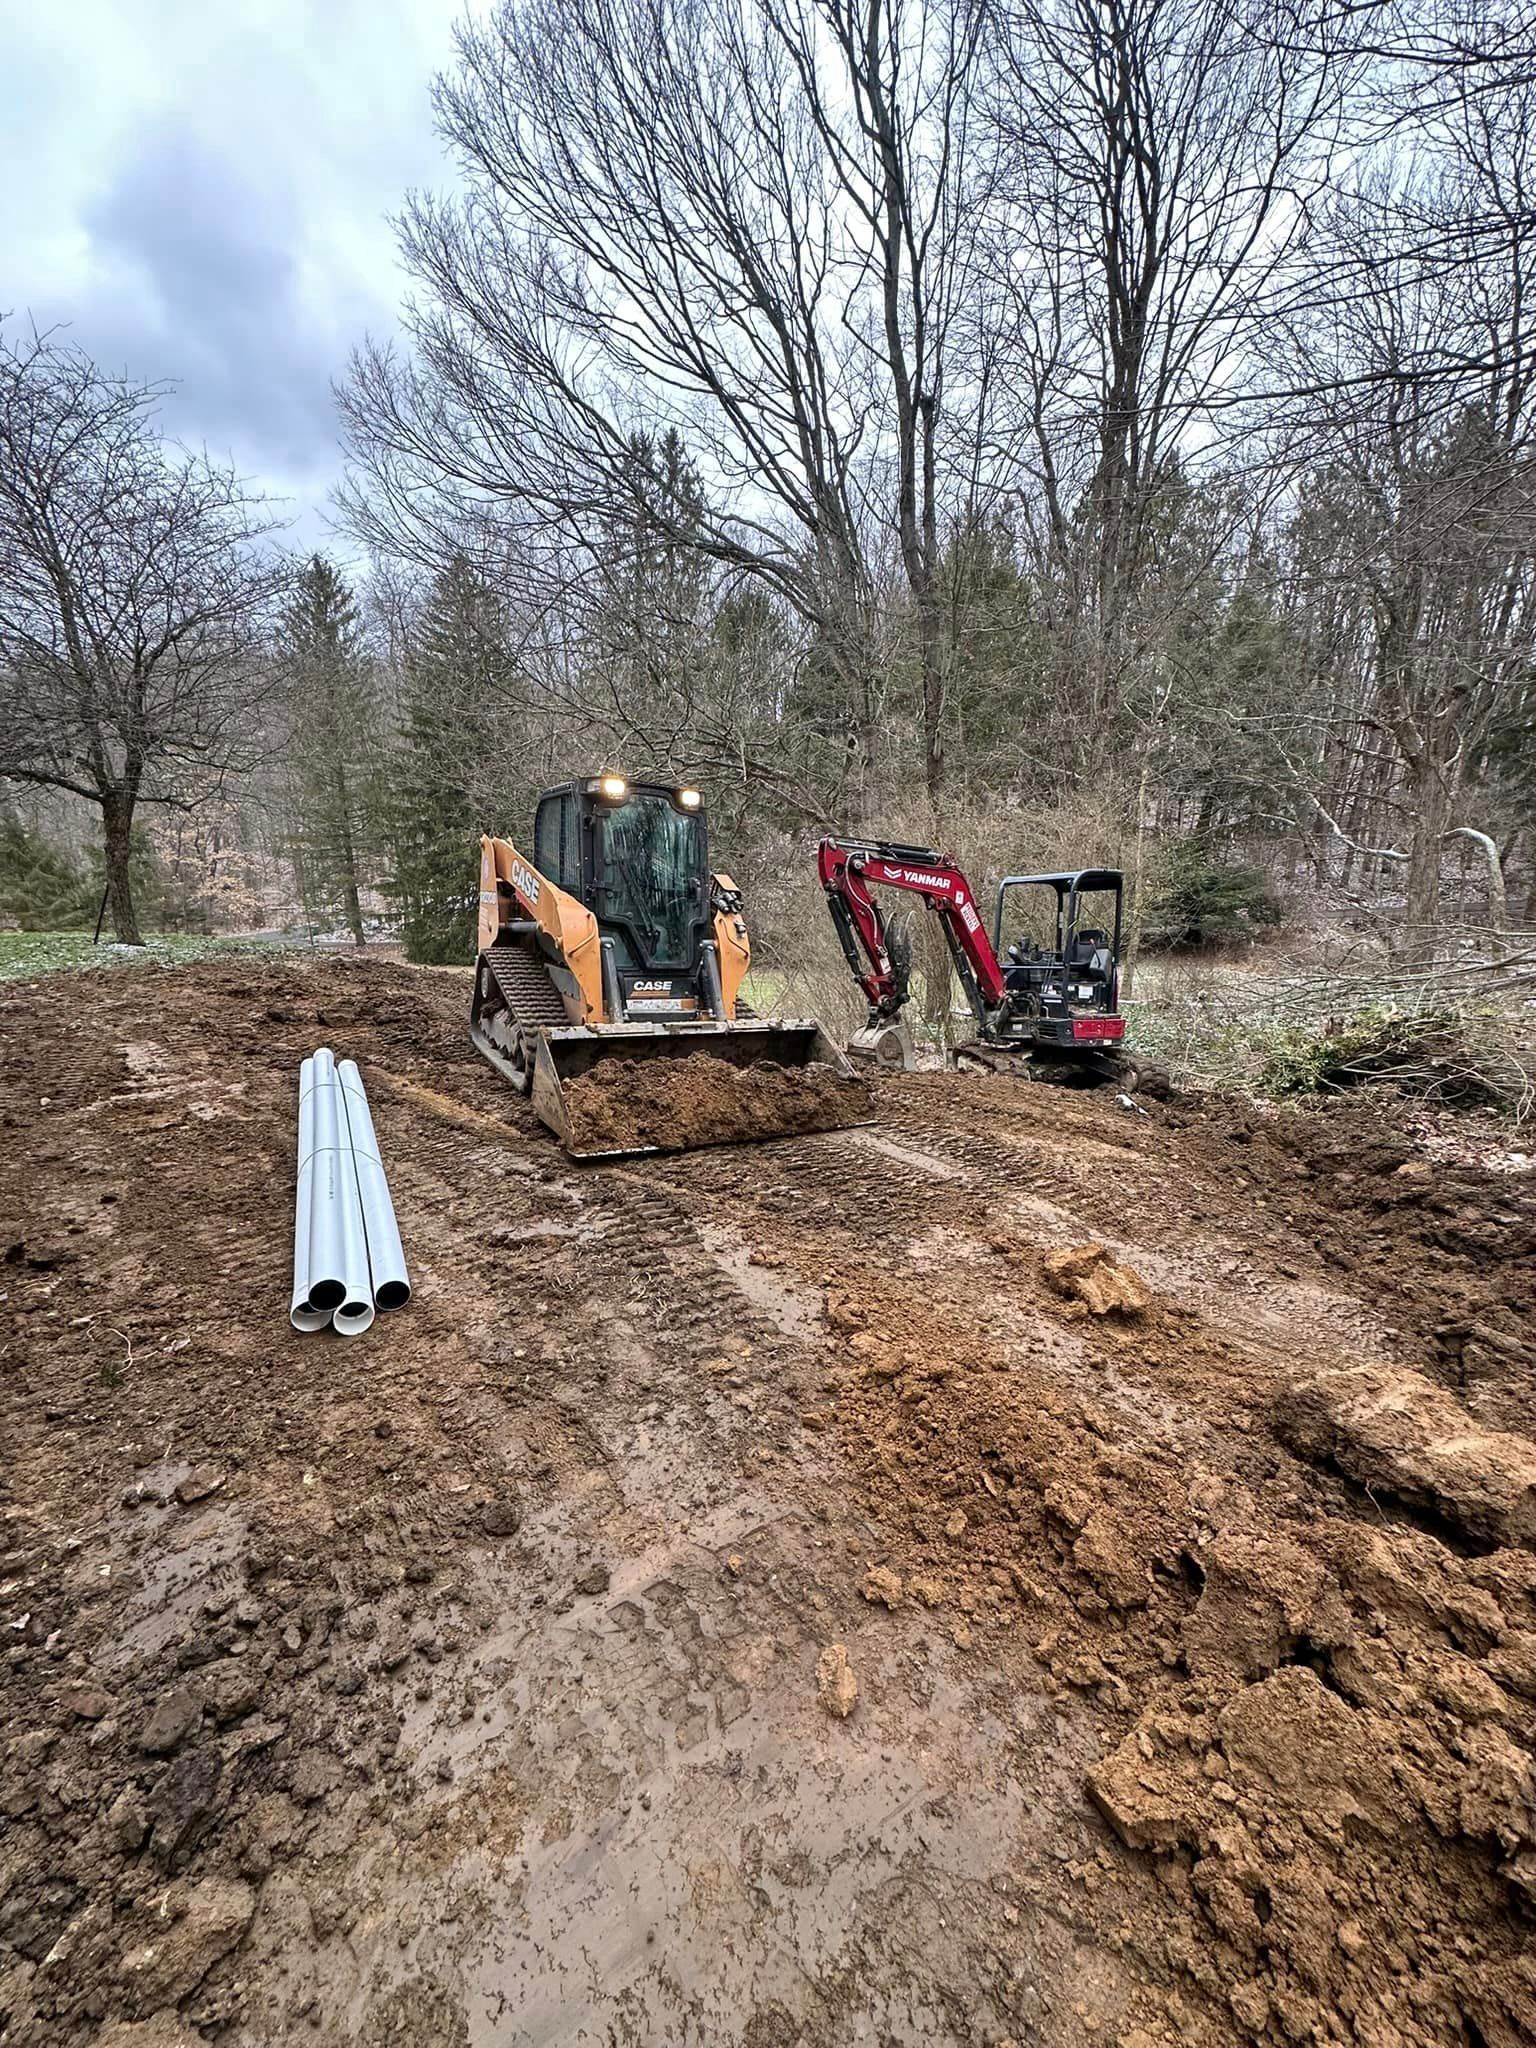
(735, 948)
(512, 889)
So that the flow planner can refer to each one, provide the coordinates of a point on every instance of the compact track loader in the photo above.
(614, 948)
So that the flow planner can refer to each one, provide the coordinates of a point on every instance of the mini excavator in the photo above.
(616, 944)
(1056, 1004)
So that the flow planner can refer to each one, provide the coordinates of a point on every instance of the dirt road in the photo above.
(474, 1681)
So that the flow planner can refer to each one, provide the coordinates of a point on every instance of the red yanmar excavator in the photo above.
(1058, 1000)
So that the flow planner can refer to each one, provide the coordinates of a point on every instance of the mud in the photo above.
(668, 1105)
(740, 1601)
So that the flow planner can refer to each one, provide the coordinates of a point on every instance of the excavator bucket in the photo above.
(621, 1089)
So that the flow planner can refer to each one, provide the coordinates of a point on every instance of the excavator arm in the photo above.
(850, 869)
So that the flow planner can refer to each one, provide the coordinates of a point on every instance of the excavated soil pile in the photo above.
(741, 1601)
(672, 1104)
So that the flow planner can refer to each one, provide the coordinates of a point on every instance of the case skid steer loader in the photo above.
(615, 949)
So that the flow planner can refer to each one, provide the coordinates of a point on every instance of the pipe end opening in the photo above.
(327, 1294)
(393, 1294)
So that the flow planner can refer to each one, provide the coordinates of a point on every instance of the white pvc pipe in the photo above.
(386, 1254)
(338, 1247)
(301, 1313)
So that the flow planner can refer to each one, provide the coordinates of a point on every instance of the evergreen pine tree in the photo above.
(331, 703)
(447, 740)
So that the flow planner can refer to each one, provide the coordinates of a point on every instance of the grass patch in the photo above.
(25, 955)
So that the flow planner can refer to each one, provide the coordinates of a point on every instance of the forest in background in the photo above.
(1066, 431)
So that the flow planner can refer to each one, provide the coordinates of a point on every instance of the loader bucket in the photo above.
(629, 1088)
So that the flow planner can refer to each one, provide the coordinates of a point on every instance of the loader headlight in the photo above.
(613, 787)
(688, 799)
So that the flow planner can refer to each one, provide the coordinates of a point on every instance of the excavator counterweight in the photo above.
(608, 984)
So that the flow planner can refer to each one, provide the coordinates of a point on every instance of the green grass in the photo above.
(24, 955)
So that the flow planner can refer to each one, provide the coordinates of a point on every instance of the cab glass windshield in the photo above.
(651, 856)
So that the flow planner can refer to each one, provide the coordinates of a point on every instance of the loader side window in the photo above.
(546, 839)
(557, 842)
(652, 865)
(570, 846)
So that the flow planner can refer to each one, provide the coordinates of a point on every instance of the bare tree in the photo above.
(1419, 383)
(132, 596)
(1164, 157)
(746, 223)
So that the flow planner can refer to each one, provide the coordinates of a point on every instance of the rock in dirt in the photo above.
(1261, 1595)
(1299, 1748)
(184, 1804)
(673, 1104)
(501, 1517)
(1398, 1433)
(1150, 1800)
(882, 1586)
(1288, 1745)
(176, 1715)
(88, 1703)
(595, 1579)
(128, 1822)
(199, 1483)
(314, 1778)
(231, 1689)
(1086, 1274)
(836, 1686)
(193, 1927)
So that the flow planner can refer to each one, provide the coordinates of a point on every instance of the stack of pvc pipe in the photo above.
(347, 1256)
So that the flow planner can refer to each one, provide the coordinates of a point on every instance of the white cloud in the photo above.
(201, 191)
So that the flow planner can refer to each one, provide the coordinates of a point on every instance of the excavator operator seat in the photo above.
(1088, 952)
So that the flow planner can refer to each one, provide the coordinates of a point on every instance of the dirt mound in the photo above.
(1087, 1275)
(1397, 1433)
(672, 1105)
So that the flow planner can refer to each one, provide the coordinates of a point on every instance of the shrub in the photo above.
(41, 888)
(1431, 1053)
(1201, 901)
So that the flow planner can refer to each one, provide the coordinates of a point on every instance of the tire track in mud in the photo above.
(464, 1795)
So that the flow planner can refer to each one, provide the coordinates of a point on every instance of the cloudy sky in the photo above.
(200, 189)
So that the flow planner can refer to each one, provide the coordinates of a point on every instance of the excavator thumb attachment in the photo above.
(625, 1088)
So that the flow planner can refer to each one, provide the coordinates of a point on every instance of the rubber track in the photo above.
(526, 987)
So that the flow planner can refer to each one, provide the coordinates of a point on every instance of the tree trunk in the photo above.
(931, 632)
(1132, 947)
(117, 832)
(1425, 848)
(352, 908)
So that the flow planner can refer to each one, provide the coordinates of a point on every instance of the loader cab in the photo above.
(1058, 941)
(636, 854)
